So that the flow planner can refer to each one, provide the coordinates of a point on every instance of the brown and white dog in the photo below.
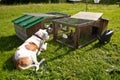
(26, 54)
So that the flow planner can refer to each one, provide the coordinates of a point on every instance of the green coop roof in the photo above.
(27, 21)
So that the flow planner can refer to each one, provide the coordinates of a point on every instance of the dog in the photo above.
(26, 55)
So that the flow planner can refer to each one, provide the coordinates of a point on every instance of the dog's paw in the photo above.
(37, 68)
(44, 47)
(41, 61)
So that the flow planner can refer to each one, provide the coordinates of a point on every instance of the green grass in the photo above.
(92, 62)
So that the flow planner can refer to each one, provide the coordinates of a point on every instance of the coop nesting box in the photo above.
(29, 23)
(79, 30)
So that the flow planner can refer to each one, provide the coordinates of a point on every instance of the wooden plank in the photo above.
(21, 35)
(40, 15)
(87, 15)
(17, 27)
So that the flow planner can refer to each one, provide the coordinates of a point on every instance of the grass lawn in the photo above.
(92, 62)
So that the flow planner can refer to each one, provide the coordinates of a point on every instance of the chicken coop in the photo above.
(29, 23)
(80, 29)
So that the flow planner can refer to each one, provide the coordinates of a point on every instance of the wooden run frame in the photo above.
(80, 28)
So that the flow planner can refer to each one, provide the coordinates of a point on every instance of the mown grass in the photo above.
(92, 62)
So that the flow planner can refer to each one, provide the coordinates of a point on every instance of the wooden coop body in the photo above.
(29, 23)
(78, 31)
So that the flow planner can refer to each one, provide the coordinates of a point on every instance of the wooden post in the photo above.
(55, 31)
(103, 26)
(76, 37)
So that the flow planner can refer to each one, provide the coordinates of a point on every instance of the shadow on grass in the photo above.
(60, 48)
(97, 45)
(8, 65)
(8, 43)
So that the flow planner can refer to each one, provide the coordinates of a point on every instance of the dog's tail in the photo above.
(32, 65)
(23, 68)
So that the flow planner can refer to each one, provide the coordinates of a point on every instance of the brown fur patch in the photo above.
(31, 46)
(23, 62)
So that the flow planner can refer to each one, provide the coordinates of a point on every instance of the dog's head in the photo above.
(43, 34)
